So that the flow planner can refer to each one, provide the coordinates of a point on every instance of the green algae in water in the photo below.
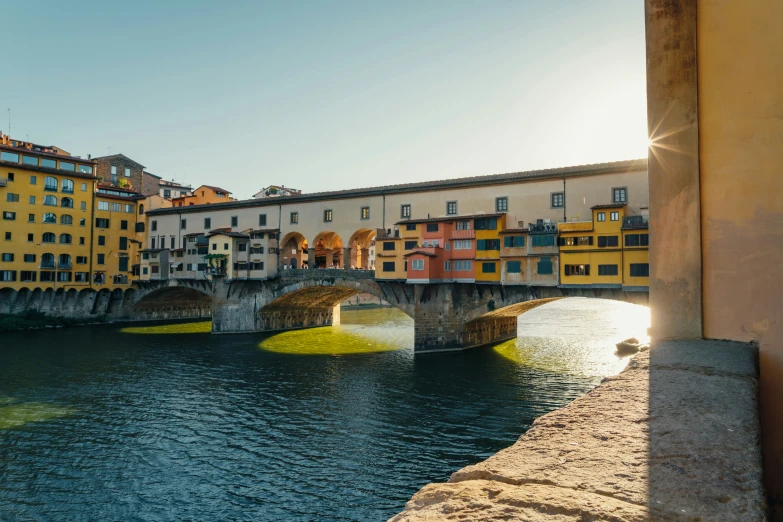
(15, 414)
(164, 329)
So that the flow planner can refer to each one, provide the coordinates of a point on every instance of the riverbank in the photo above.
(673, 437)
(33, 320)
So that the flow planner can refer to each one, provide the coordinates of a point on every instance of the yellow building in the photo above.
(46, 230)
(593, 253)
(390, 263)
(118, 233)
(488, 247)
(636, 253)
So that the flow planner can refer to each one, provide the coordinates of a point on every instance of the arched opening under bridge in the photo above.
(174, 302)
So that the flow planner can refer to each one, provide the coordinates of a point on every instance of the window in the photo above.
(129, 208)
(33, 179)
(601, 216)
(261, 220)
(513, 241)
(607, 270)
(127, 172)
(417, 264)
(451, 208)
(8, 236)
(365, 213)
(30, 160)
(487, 244)
(486, 224)
(66, 202)
(64, 261)
(405, 211)
(101, 240)
(242, 247)
(145, 270)
(50, 183)
(327, 216)
(614, 216)
(141, 209)
(463, 265)
(50, 200)
(619, 195)
(640, 270)
(9, 156)
(123, 264)
(101, 223)
(81, 277)
(409, 245)
(123, 243)
(31, 201)
(103, 205)
(488, 268)
(29, 258)
(514, 267)
(64, 277)
(81, 240)
(234, 221)
(83, 222)
(463, 244)
(607, 241)
(12, 198)
(7, 275)
(166, 194)
(557, 199)
(153, 225)
(30, 238)
(294, 218)
(576, 241)
(28, 276)
(577, 270)
(501, 204)
(67, 186)
(214, 246)
(9, 216)
(81, 260)
(31, 218)
(410, 226)
(637, 240)
(447, 266)
(84, 187)
(116, 207)
(47, 276)
(123, 225)
(84, 169)
(163, 242)
(66, 239)
(463, 225)
(8, 257)
(432, 227)
(543, 241)
(48, 237)
(388, 245)
(448, 245)
(545, 266)
(101, 259)
(207, 223)
(47, 261)
(225, 246)
(388, 266)
(84, 205)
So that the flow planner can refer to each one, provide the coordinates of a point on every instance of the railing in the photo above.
(64, 266)
(635, 222)
(47, 264)
(3, 182)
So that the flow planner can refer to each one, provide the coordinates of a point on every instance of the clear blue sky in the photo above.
(329, 95)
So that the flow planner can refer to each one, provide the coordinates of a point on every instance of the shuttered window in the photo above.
(388, 266)
(545, 265)
(514, 267)
(640, 270)
(607, 270)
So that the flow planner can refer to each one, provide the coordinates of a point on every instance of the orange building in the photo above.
(203, 195)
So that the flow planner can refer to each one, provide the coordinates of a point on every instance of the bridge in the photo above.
(447, 316)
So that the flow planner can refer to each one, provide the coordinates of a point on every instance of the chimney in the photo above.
(520, 224)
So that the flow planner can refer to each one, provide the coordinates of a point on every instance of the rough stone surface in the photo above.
(673, 437)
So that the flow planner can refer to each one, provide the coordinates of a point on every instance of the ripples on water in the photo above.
(155, 423)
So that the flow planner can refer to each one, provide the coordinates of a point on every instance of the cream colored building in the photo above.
(344, 223)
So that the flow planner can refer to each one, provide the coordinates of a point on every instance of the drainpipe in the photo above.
(564, 200)
(383, 223)
(279, 235)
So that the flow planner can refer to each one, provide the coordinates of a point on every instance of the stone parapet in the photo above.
(673, 437)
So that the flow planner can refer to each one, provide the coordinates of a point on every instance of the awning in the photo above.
(175, 265)
(463, 234)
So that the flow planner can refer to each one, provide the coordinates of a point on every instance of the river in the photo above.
(168, 422)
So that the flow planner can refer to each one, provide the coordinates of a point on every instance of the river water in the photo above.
(344, 423)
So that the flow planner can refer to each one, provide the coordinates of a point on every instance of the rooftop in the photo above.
(608, 205)
(492, 179)
(451, 218)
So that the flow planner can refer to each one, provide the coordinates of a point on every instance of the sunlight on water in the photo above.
(365, 331)
(576, 336)
(178, 328)
(14, 414)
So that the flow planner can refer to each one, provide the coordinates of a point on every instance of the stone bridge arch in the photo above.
(168, 299)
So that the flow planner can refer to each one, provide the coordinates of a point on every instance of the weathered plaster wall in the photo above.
(740, 63)
(673, 165)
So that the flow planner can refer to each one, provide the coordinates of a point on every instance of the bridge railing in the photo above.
(302, 273)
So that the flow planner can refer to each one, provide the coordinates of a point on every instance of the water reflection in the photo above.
(175, 328)
(576, 336)
(14, 413)
(365, 331)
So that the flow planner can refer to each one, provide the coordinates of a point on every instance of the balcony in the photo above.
(3, 182)
(631, 222)
(47, 264)
(63, 266)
